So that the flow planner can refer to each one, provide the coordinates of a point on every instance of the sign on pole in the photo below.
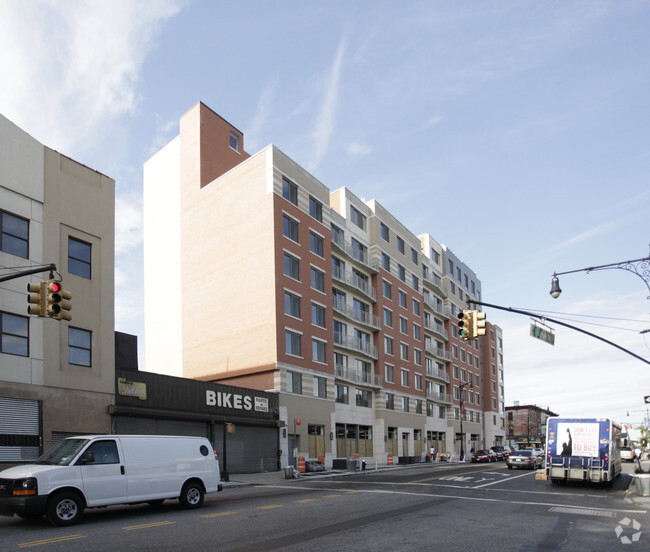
(542, 334)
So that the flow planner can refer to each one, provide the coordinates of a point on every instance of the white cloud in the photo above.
(357, 149)
(74, 65)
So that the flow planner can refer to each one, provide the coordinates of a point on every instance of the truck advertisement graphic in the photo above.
(582, 449)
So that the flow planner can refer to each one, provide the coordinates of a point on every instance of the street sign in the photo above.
(646, 399)
(542, 334)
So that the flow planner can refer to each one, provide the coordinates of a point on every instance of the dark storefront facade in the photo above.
(244, 421)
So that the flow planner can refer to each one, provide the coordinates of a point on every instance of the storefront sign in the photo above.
(128, 388)
(236, 401)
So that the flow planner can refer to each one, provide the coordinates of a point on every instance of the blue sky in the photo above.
(516, 133)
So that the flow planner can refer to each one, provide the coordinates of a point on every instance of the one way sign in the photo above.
(646, 399)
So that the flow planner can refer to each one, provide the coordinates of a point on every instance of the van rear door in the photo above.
(102, 473)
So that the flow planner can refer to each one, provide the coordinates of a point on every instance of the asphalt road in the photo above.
(456, 507)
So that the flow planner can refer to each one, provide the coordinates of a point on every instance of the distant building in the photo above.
(256, 274)
(526, 425)
(56, 377)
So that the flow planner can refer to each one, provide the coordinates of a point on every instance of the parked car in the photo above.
(501, 452)
(483, 455)
(627, 454)
(539, 452)
(524, 459)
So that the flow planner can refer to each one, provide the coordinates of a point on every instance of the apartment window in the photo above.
(320, 387)
(357, 218)
(387, 289)
(14, 330)
(416, 282)
(79, 347)
(359, 251)
(290, 228)
(338, 236)
(414, 256)
(403, 325)
(418, 381)
(318, 350)
(404, 351)
(293, 343)
(442, 412)
(389, 371)
(388, 317)
(400, 245)
(417, 357)
(294, 383)
(289, 191)
(416, 307)
(79, 257)
(390, 401)
(318, 315)
(291, 304)
(316, 244)
(315, 209)
(417, 332)
(234, 140)
(405, 378)
(317, 279)
(401, 273)
(384, 231)
(385, 261)
(430, 410)
(291, 266)
(14, 235)
(388, 345)
(418, 406)
(342, 394)
(402, 298)
(405, 404)
(364, 398)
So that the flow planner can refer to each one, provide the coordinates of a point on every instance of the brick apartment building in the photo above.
(257, 275)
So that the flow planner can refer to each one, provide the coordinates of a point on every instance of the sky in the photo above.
(515, 133)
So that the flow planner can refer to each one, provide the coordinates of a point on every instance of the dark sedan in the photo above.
(524, 459)
(483, 456)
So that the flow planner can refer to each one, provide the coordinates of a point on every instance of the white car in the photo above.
(539, 452)
(627, 454)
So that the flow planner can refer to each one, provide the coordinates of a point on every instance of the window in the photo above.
(418, 381)
(404, 351)
(384, 231)
(318, 315)
(234, 140)
(388, 317)
(338, 236)
(416, 282)
(342, 394)
(414, 256)
(417, 332)
(364, 398)
(403, 325)
(389, 373)
(390, 401)
(402, 298)
(317, 279)
(15, 334)
(359, 251)
(79, 347)
(405, 404)
(291, 304)
(416, 307)
(14, 232)
(291, 266)
(357, 218)
(401, 273)
(316, 244)
(79, 257)
(318, 350)
(385, 262)
(435, 256)
(292, 343)
(290, 228)
(315, 209)
(388, 345)
(320, 387)
(294, 383)
(417, 357)
(289, 191)
(405, 378)
(387, 289)
(400, 245)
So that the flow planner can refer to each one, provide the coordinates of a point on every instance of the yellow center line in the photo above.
(457, 474)
(331, 496)
(219, 514)
(148, 525)
(50, 541)
(269, 506)
(305, 500)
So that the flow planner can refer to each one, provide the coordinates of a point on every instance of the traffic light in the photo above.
(37, 298)
(465, 325)
(478, 326)
(58, 301)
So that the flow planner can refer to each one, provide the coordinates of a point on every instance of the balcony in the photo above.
(439, 353)
(357, 376)
(359, 255)
(357, 315)
(435, 282)
(437, 373)
(437, 328)
(353, 281)
(439, 397)
(355, 344)
(437, 308)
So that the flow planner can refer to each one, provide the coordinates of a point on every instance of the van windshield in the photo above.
(62, 453)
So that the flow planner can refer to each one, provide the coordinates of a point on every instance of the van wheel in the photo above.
(191, 495)
(65, 508)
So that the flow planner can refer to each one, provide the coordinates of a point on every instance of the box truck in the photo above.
(582, 449)
(100, 470)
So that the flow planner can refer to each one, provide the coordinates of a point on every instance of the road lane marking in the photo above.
(52, 540)
(467, 472)
(303, 501)
(148, 525)
(219, 514)
(269, 506)
(331, 496)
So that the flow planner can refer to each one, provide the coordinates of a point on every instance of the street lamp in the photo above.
(462, 413)
(640, 267)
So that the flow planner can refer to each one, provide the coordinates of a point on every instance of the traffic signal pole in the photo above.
(45, 268)
(546, 318)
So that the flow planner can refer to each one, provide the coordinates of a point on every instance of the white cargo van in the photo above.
(99, 470)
